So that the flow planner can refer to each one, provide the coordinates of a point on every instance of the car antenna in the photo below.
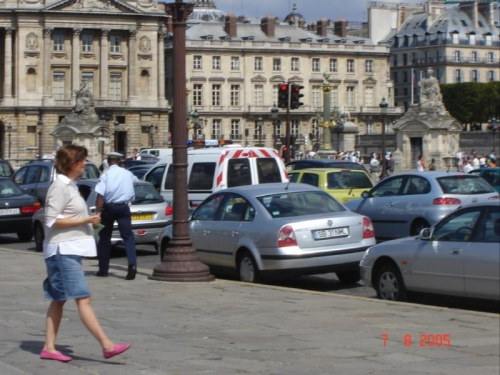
(286, 187)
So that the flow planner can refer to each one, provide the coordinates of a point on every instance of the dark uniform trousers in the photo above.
(119, 212)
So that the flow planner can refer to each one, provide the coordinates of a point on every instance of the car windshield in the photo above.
(348, 180)
(5, 170)
(146, 194)
(464, 185)
(91, 171)
(9, 189)
(300, 204)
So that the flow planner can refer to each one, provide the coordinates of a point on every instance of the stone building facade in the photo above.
(51, 49)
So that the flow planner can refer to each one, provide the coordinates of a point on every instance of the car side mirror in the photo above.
(426, 234)
(365, 194)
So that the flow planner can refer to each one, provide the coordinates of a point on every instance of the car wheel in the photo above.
(39, 237)
(389, 284)
(349, 277)
(25, 235)
(417, 227)
(247, 268)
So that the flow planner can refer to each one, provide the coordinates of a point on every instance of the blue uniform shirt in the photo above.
(116, 185)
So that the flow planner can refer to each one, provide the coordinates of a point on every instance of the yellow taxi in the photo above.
(342, 184)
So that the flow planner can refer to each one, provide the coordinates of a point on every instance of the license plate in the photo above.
(142, 217)
(9, 211)
(331, 233)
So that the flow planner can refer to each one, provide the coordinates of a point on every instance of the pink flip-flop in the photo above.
(118, 349)
(57, 356)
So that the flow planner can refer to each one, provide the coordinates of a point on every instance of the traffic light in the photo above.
(295, 96)
(283, 96)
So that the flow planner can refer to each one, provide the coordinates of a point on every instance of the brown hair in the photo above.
(68, 155)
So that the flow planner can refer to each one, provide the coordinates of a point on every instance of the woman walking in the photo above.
(69, 237)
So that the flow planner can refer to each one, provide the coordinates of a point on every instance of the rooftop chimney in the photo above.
(230, 25)
(267, 24)
(322, 28)
(340, 28)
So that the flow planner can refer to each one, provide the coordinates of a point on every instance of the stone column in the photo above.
(161, 67)
(76, 61)
(47, 32)
(8, 63)
(104, 64)
(132, 70)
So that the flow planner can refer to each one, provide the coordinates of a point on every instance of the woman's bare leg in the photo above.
(52, 323)
(90, 321)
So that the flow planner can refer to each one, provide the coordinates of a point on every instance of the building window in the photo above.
(333, 65)
(395, 60)
(258, 95)
(405, 59)
(458, 75)
(472, 39)
(115, 86)
(31, 79)
(114, 43)
(369, 127)
(58, 85)
(316, 96)
(216, 128)
(350, 99)
(395, 77)
(235, 95)
(457, 56)
(235, 63)
(473, 57)
(197, 62)
(334, 98)
(276, 64)
(490, 58)
(216, 65)
(454, 38)
(216, 98)
(58, 42)
(197, 94)
(295, 128)
(368, 96)
(235, 129)
(369, 66)
(88, 80)
(295, 64)
(474, 75)
(87, 42)
(316, 65)
(488, 40)
(350, 66)
(278, 129)
(491, 75)
(258, 64)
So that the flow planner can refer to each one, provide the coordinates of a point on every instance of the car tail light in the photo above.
(287, 237)
(368, 231)
(141, 232)
(31, 209)
(169, 210)
(439, 201)
(495, 197)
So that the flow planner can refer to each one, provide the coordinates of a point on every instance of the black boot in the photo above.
(101, 274)
(132, 270)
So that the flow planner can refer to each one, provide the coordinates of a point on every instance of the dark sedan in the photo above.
(16, 210)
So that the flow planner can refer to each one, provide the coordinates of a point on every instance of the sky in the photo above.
(351, 10)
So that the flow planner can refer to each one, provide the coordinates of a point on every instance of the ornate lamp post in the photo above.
(193, 117)
(383, 110)
(180, 263)
(39, 126)
(259, 129)
(494, 123)
(9, 130)
(327, 137)
(152, 130)
(116, 123)
(274, 117)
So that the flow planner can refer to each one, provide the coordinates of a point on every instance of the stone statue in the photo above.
(430, 93)
(83, 116)
(84, 101)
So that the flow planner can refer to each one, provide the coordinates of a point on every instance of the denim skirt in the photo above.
(65, 278)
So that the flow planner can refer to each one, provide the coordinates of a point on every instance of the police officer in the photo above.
(115, 193)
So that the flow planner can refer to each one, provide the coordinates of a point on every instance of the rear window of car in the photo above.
(268, 170)
(9, 189)
(146, 194)
(464, 185)
(5, 169)
(299, 204)
(201, 177)
(348, 180)
(238, 172)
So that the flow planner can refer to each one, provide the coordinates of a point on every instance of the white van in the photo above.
(156, 152)
(212, 169)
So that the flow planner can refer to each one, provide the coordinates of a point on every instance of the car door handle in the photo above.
(455, 251)
(390, 204)
(234, 233)
(205, 232)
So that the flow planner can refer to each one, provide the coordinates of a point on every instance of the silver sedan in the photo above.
(273, 230)
(403, 204)
(459, 256)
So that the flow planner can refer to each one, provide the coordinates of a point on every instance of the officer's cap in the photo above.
(114, 155)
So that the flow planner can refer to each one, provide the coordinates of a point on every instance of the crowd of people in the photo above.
(467, 163)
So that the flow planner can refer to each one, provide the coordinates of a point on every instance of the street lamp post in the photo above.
(39, 126)
(494, 123)
(152, 130)
(259, 127)
(383, 110)
(274, 117)
(180, 262)
(9, 130)
(116, 123)
(194, 116)
(327, 138)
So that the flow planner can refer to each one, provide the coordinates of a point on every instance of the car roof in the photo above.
(435, 174)
(320, 161)
(94, 181)
(326, 170)
(272, 188)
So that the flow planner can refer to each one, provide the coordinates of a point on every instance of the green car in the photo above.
(491, 175)
(342, 184)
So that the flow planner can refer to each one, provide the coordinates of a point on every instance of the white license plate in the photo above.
(331, 233)
(9, 211)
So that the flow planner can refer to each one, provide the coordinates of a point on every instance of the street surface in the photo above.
(147, 259)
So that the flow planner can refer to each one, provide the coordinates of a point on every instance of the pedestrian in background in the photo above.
(432, 165)
(69, 237)
(374, 168)
(115, 193)
(420, 164)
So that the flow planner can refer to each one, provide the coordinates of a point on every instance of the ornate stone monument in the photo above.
(427, 128)
(83, 127)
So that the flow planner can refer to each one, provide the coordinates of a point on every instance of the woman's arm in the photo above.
(67, 222)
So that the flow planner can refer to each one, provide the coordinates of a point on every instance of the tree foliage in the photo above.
(472, 101)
